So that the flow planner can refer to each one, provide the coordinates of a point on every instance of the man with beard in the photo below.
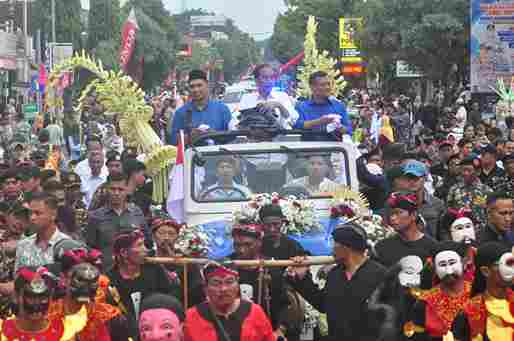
(500, 213)
(349, 285)
(488, 315)
(225, 315)
(268, 291)
(409, 240)
(470, 192)
(80, 280)
(32, 297)
(435, 309)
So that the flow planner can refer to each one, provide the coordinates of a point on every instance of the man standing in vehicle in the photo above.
(200, 114)
(322, 112)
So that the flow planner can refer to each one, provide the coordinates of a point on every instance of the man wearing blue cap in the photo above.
(414, 174)
(349, 285)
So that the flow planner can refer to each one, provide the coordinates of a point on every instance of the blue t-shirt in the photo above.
(216, 115)
(308, 111)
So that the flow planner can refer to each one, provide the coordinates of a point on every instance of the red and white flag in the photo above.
(175, 203)
(128, 40)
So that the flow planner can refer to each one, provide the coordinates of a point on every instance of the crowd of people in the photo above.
(76, 232)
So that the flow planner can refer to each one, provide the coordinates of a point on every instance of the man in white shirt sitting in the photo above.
(316, 182)
(265, 78)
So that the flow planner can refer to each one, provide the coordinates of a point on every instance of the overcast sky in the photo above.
(254, 17)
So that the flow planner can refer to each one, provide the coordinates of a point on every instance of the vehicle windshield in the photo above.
(236, 176)
(232, 97)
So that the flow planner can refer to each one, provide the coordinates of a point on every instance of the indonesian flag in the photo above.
(175, 204)
(128, 40)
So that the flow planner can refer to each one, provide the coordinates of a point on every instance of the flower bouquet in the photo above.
(193, 242)
(300, 214)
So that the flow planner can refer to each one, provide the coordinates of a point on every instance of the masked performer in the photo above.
(31, 321)
(81, 278)
(433, 313)
(161, 319)
(489, 315)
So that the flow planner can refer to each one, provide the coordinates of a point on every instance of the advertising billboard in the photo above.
(350, 51)
(492, 43)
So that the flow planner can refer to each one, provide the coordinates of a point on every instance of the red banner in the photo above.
(128, 40)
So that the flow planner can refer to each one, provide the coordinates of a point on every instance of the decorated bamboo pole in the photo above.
(186, 287)
(307, 261)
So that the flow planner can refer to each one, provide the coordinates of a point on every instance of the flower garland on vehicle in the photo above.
(301, 215)
(348, 204)
(192, 242)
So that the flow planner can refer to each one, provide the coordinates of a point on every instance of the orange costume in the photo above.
(98, 315)
(11, 332)
(434, 311)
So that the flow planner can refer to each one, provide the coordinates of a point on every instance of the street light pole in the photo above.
(54, 39)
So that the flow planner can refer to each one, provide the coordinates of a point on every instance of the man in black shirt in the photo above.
(409, 240)
(275, 244)
(131, 279)
(500, 211)
(269, 291)
(349, 285)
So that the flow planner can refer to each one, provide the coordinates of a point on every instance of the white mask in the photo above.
(462, 229)
(409, 275)
(506, 267)
(448, 263)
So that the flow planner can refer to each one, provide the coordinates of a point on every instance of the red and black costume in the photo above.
(247, 323)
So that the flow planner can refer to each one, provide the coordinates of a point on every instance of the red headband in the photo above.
(254, 230)
(460, 213)
(158, 222)
(403, 201)
(30, 275)
(79, 256)
(218, 271)
(341, 211)
(124, 240)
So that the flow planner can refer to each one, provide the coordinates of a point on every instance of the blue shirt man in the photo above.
(321, 110)
(200, 111)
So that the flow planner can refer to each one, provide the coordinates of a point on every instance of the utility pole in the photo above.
(54, 39)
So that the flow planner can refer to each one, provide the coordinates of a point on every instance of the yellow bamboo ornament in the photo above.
(119, 95)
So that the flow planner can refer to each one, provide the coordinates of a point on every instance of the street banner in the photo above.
(128, 40)
(348, 28)
(491, 44)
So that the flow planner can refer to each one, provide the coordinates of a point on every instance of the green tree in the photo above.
(104, 22)
(68, 26)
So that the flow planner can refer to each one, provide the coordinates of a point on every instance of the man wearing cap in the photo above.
(270, 289)
(490, 174)
(275, 243)
(349, 285)
(409, 240)
(200, 114)
(488, 316)
(507, 185)
(225, 315)
(115, 167)
(433, 313)
(470, 192)
(412, 178)
(445, 151)
(500, 214)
